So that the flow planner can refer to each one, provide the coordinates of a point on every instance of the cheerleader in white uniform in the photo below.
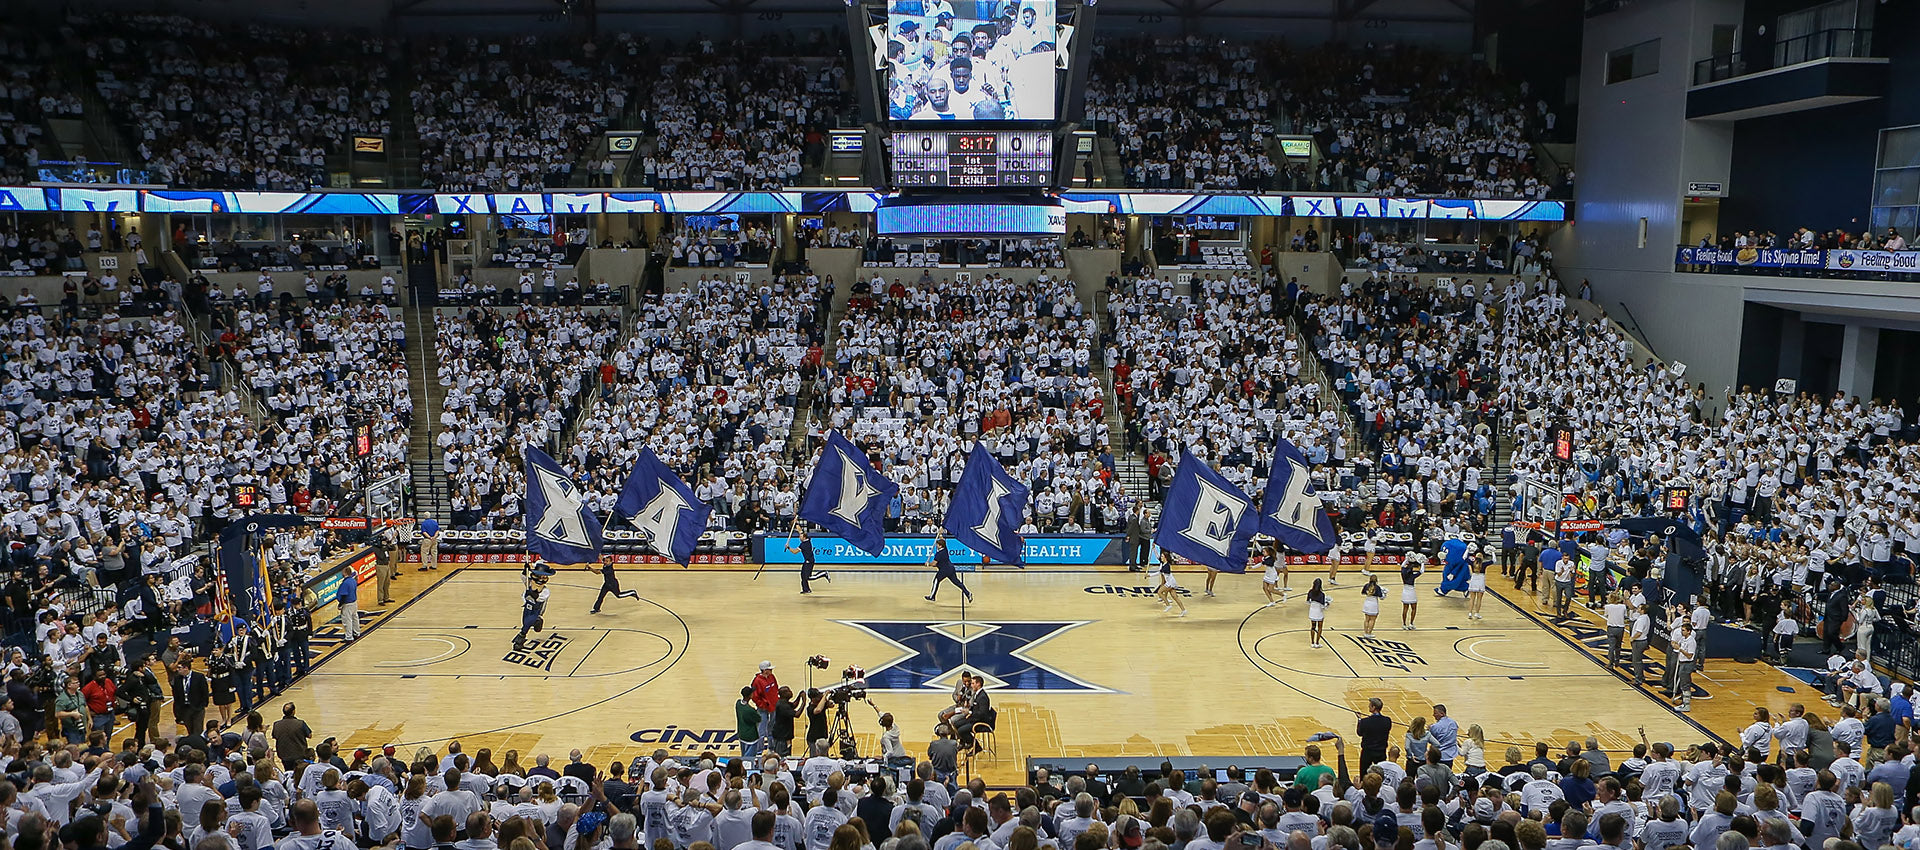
(1410, 571)
(1476, 586)
(1270, 580)
(1169, 592)
(1316, 615)
(1370, 597)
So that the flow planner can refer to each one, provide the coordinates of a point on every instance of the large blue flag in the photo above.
(661, 505)
(848, 497)
(1205, 518)
(560, 529)
(1290, 512)
(987, 507)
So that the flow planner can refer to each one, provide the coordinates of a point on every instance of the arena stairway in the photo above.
(1500, 466)
(431, 495)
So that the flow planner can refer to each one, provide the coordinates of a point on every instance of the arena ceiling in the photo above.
(1322, 10)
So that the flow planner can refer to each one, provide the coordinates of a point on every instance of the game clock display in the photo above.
(978, 159)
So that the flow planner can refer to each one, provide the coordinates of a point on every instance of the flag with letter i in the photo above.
(987, 507)
(1290, 511)
(1205, 518)
(560, 529)
(848, 497)
(663, 508)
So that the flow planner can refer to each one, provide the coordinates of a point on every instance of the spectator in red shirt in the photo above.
(99, 696)
(766, 697)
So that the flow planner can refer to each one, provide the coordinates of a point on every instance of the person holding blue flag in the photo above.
(1453, 574)
(804, 548)
(986, 509)
(610, 584)
(847, 496)
(663, 508)
(560, 529)
(533, 602)
(942, 563)
(1206, 519)
(1292, 513)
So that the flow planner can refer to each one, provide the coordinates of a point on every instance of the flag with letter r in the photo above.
(1290, 511)
(848, 497)
(663, 508)
(1205, 518)
(987, 507)
(560, 529)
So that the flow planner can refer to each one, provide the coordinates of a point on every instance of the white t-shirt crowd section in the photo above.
(27, 97)
(262, 790)
(154, 450)
(708, 380)
(930, 367)
(1194, 114)
(735, 119)
(316, 371)
(251, 107)
(1407, 121)
(512, 116)
(510, 379)
(1212, 368)
(1397, 360)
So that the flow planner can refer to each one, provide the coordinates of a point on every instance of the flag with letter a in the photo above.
(1205, 518)
(848, 497)
(663, 508)
(987, 507)
(560, 529)
(1290, 511)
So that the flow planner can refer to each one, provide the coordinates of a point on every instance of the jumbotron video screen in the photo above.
(971, 60)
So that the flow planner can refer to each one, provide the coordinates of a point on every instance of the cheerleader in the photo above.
(1371, 545)
(1370, 597)
(1316, 615)
(1333, 560)
(1476, 586)
(1169, 592)
(1270, 580)
(1410, 571)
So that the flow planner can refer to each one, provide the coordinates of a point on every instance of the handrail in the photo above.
(1838, 42)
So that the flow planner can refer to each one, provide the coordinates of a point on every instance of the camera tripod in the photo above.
(840, 728)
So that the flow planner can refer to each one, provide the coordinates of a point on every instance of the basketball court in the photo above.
(1084, 664)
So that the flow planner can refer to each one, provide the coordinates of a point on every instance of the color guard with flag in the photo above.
(987, 508)
(560, 528)
(1290, 511)
(848, 497)
(1205, 518)
(663, 508)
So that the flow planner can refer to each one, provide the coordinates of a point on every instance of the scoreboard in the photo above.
(972, 158)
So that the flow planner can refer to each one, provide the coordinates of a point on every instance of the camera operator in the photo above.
(890, 747)
(817, 704)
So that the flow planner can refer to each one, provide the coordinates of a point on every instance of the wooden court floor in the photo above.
(1085, 664)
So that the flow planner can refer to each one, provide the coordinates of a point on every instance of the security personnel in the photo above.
(296, 659)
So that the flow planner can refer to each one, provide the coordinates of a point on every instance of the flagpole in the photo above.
(763, 558)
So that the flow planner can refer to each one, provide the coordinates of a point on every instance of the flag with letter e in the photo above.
(1206, 519)
(560, 529)
(987, 508)
(848, 497)
(1290, 511)
(663, 508)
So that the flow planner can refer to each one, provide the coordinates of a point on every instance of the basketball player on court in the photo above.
(533, 603)
(943, 570)
(610, 584)
(807, 574)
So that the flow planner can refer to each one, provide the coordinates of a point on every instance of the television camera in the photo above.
(851, 688)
